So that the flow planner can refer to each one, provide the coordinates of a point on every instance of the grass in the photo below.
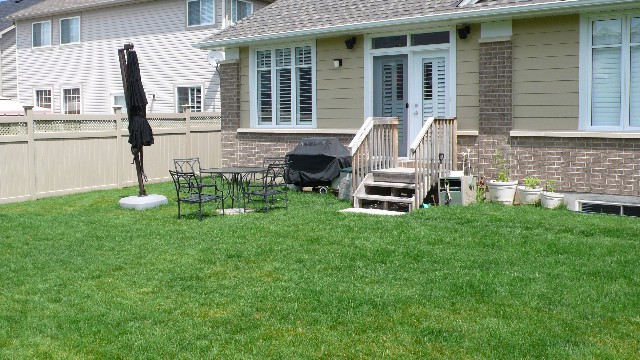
(82, 278)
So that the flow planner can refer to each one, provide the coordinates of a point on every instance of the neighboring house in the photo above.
(67, 52)
(557, 82)
(9, 86)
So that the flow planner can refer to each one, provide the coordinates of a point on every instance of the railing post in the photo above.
(117, 109)
(186, 110)
(31, 146)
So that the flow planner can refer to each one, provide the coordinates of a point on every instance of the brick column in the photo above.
(496, 112)
(230, 111)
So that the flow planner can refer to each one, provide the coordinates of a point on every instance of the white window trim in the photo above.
(236, 9)
(253, 91)
(79, 31)
(62, 103)
(409, 50)
(175, 95)
(586, 62)
(42, 88)
(50, 34)
(201, 24)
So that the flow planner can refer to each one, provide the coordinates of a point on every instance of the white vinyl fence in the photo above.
(49, 155)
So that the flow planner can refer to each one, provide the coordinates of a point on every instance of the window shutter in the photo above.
(304, 82)
(606, 94)
(393, 93)
(434, 88)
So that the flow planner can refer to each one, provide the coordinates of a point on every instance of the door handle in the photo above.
(415, 112)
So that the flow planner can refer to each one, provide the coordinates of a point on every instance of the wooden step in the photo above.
(372, 211)
(395, 175)
(392, 199)
(395, 185)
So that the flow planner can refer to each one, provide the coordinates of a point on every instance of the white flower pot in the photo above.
(502, 191)
(528, 196)
(551, 200)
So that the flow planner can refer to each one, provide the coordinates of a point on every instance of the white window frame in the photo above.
(50, 34)
(175, 92)
(234, 10)
(112, 96)
(586, 71)
(201, 23)
(253, 90)
(79, 30)
(35, 96)
(63, 105)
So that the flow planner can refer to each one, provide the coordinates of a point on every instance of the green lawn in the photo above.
(82, 278)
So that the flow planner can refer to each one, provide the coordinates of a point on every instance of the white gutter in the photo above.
(7, 30)
(459, 16)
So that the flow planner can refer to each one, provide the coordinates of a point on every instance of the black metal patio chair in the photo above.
(189, 189)
(193, 165)
(270, 189)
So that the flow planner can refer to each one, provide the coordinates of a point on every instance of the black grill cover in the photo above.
(317, 161)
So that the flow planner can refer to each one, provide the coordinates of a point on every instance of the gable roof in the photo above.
(9, 7)
(290, 18)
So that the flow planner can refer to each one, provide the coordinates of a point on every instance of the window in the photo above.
(200, 12)
(42, 98)
(41, 34)
(613, 53)
(284, 91)
(389, 42)
(118, 100)
(71, 100)
(70, 30)
(240, 9)
(189, 95)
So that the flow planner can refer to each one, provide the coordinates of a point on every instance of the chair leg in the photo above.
(200, 210)
(178, 209)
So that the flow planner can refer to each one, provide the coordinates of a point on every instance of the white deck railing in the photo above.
(438, 136)
(374, 147)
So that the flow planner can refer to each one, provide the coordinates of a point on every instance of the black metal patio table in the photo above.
(234, 180)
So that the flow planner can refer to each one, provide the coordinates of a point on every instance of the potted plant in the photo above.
(550, 199)
(530, 192)
(502, 189)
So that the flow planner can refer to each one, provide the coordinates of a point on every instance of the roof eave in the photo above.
(458, 15)
(97, 5)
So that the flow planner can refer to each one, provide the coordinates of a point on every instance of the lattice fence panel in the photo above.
(57, 126)
(12, 129)
(205, 120)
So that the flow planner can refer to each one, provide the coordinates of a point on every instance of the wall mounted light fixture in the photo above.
(350, 42)
(464, 31)
(337, 63)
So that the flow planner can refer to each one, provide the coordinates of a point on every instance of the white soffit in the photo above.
(496, 29)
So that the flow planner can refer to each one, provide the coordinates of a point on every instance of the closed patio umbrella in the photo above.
(140, 133)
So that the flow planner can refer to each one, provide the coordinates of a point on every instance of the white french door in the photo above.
(429, 84)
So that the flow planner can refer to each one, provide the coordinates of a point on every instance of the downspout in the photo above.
(224, 14)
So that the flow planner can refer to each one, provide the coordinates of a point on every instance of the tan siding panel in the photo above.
(545, 73)
(467, 80)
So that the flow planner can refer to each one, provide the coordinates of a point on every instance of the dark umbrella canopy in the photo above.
(140, 133)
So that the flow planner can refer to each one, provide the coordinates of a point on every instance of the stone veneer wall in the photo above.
(229, 111)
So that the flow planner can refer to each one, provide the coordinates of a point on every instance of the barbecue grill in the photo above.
(317, 161)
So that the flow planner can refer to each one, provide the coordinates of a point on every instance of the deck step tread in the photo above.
(404, 200)
(397, 185)
(372, 211)
(397, 170)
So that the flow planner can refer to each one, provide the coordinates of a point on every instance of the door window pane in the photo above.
(607, 32)
(441, 37)
(606, 97)
(389, 42)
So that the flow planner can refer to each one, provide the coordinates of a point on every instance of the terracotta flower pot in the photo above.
(502, 191)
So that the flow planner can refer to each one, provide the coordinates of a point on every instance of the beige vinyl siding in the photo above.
(467, 80)
(545, 73)
(339, 91)
(8, 65)
(161, 38)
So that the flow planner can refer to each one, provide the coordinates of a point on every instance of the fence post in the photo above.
(28, 114)
(117, 109)
(186, 110)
